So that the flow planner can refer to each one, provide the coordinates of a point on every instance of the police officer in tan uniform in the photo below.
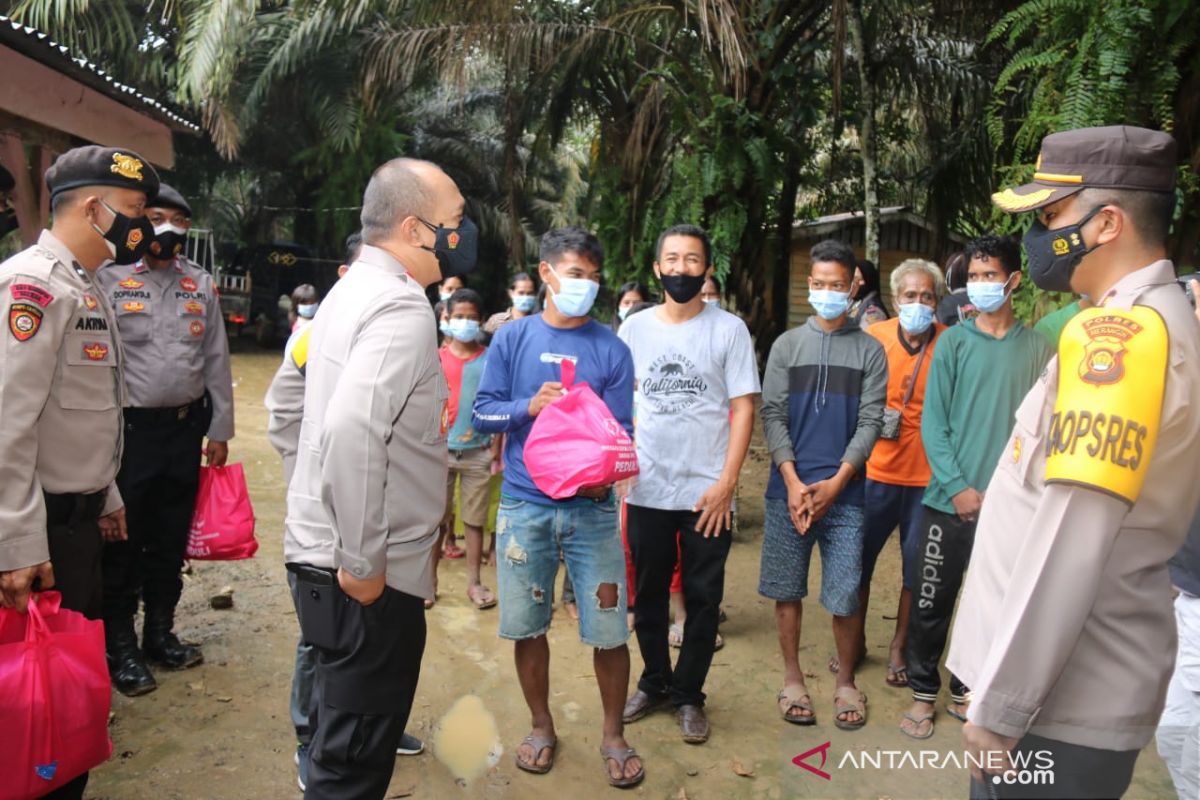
(61, 385)
(1065, 631)
(180, 390)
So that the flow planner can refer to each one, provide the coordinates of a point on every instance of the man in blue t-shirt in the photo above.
(521, 378)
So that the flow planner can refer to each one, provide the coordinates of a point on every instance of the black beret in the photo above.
(168, 197)
(101, 166)
(7, 183)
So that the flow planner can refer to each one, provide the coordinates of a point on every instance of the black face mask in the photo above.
(8, 222)
(1054, 254)
(682, 288)
(456, 248)
(168, 241)
(128, 237)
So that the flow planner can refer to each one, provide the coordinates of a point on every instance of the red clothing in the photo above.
(901, 462)
(452, 366)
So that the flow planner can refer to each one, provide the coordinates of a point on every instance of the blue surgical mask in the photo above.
(713, 303)
(524, 303)
(307, 310)
(622, 313)
(915, 318)
(575, 296)
(987, 296)
(444, 327)
(445, 296)
(828, 304)
(465, 330)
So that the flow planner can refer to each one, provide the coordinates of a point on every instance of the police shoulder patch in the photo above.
(1112, 375)
(24, 320)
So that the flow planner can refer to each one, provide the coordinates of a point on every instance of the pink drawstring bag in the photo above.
(223, 523)
(576, 443)
(54, 697)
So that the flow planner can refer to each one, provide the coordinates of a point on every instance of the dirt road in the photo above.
(222, 730)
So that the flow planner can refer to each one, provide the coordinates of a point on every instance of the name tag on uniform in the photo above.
(1112, 375)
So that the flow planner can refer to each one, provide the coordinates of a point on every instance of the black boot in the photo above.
(125, 664)
(164, 647)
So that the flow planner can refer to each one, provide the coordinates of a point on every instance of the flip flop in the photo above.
(950, 710)
(454, 552)
(481, 596)
(791, 700)
(916, 721)
(621, 755)
(841, 707)
(538, 743)
(675, 635)
(897, 677)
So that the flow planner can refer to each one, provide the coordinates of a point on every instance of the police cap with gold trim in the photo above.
(1113, 157)
(101, 166)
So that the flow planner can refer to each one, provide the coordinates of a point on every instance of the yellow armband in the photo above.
(300, 349)
(1112, 367)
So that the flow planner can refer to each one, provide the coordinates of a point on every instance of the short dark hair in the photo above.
(831, 250)
(520, 276)
(694, 231)
(716, 282)
(304, 294)
(354, 245)
(1151, 212)
(65, 199)
(633, 286)
(571, 239)
(1005, 249)
(956, 271)
(469, 296)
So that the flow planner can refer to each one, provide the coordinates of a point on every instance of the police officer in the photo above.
(180, 389)
(1065, 630)
(369, 486)
(61, 386)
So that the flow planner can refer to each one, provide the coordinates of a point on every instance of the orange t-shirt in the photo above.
(902, 461)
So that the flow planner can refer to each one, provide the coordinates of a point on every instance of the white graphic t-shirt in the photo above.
(686, 375)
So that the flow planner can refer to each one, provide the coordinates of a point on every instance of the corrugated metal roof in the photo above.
(40, 47)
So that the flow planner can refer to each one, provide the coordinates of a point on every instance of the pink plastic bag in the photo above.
(576, 443)
(55, 696)
(223, 524)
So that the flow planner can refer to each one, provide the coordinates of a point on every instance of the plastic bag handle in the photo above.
(568, 373)
(37, 627)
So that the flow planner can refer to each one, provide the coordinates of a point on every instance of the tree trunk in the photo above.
(854, 25)
(513, 172)
(781, 280)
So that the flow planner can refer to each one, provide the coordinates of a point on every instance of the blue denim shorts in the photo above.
(529, 538)
(783, 574)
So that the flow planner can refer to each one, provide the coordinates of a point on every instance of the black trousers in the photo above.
(945, 551)
(652, 545)
(1077, 772)
(76, 546)
(368, 664)
(160, 471)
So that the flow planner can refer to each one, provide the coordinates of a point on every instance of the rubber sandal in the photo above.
(950, 710)
(916, 721)
(538, 743)
(788, 701)
(897, 677)
(621, 755)
(841, 707)
(481, 596)
(454, 552)
(675, 635)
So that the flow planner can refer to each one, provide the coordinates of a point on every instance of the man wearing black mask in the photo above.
(180, 389)
(696, 378)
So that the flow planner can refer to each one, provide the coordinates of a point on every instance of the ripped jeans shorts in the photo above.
(529, 537)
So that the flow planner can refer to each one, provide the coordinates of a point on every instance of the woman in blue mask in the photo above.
(523, 299)
(632, 293)
(304, 305)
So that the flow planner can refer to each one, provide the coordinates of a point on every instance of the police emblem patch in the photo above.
(24, 319)
(95, 351)
(32, 293)
(1061, 248)
(193, 308)
(131, 283)
(134, 308)
(452, 240)
(1104, 353)
(134, 239)
(196, 328)
(127, 166)
(187, 284)
(90, 302)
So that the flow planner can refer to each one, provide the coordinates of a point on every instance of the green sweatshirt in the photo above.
(976, 383)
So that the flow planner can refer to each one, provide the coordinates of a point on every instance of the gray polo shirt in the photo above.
(369, 487)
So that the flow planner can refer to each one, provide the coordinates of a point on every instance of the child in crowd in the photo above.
(304, 306)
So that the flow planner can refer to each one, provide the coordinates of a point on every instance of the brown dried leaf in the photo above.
(741, 770)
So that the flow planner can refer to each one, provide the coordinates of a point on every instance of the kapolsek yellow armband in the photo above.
(300, 349)
(1112, 367)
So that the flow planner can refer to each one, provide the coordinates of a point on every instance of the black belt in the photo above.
(458, 454)
(165, 416)
(74, 506)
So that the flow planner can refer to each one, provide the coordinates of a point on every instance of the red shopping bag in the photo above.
(223, 523)
(576, 442)
(55, 696)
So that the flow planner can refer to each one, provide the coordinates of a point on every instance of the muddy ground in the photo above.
(222, 730)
